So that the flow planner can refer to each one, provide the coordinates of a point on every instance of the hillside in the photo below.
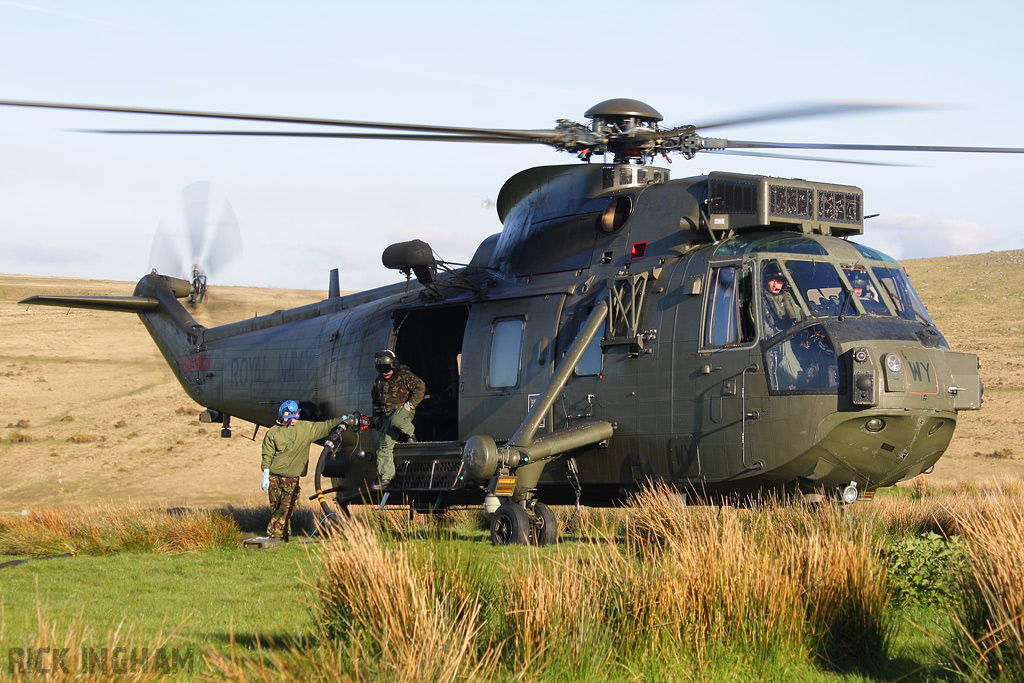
(90, 412)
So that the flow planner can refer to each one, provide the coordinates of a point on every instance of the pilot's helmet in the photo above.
(385, 361)
(289, 410)
(859, 281)
(773, 272)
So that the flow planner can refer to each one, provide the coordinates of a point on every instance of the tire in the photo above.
(510, 525)
(545, 528)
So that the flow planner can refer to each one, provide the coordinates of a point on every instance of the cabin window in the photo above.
(727, 317)
(591, 361)
(506, 351)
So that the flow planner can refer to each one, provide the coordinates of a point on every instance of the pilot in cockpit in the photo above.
(862, 288)
(780, 307)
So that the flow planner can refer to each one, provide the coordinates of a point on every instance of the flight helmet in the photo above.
(858, 280)
(385, 360)
(772, 271)
(289, 410)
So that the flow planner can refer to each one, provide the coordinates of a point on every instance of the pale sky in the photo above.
(81, 205)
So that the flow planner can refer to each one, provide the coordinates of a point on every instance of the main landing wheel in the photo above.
(545, 528)
(510, 524)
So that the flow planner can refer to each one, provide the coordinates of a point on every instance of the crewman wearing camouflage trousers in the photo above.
(396, 392)
(285, 459)
(284, 491)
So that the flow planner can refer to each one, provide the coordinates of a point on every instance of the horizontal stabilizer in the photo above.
(125, 304)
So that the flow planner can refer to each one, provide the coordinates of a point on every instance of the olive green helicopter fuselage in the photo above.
(619, 330)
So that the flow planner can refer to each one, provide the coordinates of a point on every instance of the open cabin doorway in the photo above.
(429, 342)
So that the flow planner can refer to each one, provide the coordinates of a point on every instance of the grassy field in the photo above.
(104, 453)
(922, 585)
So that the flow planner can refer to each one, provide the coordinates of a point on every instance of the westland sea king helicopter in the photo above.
(723, 334)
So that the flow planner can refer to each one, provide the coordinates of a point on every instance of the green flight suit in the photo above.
(286, 455)
(390, 397)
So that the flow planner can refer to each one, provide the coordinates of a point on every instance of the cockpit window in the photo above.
(873, 254)
(821, 287)
(788, 243)
(865, 291)
(727, 317)
(779, 307)
(803, 362)
(897, 286)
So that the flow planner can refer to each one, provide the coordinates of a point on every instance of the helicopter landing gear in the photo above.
(544, 527)
(511, 524)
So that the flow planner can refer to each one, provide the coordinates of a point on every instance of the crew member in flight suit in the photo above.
(285, 459)
(780, 308)
(396, 392)
(781, 311)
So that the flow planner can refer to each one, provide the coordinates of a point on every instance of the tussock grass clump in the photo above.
(85, 438)
(78, 653)
(777, 581)
(991, 619)
(682, 593)
(392, 614)
(998, 454)
(110, 528)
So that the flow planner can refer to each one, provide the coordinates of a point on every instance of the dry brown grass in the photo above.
(109, 528)
(780, 578)
(77, 653)
(394, 614)
(992, 620)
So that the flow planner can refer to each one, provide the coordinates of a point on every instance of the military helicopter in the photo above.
(723, 334)
(212, 237)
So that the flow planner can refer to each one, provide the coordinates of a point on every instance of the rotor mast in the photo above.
(621, 126)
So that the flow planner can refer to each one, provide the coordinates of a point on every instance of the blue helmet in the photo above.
(289, 410)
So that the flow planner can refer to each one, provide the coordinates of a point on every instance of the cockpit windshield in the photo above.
(822, 288)
(897, 286)
(865, 291)
(769, 283)
(819, 284)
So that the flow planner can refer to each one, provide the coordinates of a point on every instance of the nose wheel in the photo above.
(512, 524)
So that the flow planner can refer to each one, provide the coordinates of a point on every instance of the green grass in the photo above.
(207, 596)
(211, 594)
(652, 593)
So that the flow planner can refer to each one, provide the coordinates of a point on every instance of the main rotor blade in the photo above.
(308, 134)
(716, 143)
(810, 110)
(227, 242)
(497, 132)
(800, 157)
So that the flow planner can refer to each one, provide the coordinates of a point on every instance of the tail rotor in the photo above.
(211, 237)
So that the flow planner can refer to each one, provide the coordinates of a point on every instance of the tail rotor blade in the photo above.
(227, 242)
(164, 255)
(195, 200)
